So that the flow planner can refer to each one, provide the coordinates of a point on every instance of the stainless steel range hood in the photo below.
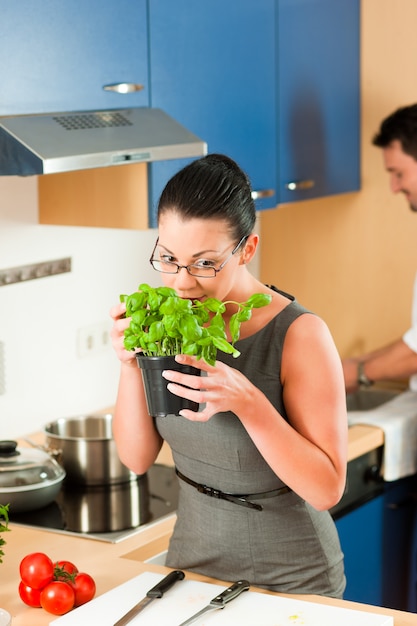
(62, 142)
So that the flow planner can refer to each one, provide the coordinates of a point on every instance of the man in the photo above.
(397, 361)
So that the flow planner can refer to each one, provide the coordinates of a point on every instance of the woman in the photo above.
(272, 427)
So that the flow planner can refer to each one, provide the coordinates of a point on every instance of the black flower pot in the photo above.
(161, 402)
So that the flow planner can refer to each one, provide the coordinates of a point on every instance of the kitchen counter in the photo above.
(110, 565)
(362, 439)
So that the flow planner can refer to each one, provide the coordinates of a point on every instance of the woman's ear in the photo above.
(249, 250)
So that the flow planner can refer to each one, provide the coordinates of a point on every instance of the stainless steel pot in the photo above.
(88, 450)
(29, 479)
(106, 508)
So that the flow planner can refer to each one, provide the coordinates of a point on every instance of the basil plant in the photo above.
(164, 324)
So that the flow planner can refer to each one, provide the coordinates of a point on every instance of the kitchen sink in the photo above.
(366, 399)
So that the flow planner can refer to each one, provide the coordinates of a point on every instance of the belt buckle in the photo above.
(209, 491)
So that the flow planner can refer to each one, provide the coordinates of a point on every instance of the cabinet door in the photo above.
(57, 55)
(318, 86)
(400, 545)
(213, 70)
(361, 537)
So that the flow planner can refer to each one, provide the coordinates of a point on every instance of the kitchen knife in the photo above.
(156, 592)
(220, 601)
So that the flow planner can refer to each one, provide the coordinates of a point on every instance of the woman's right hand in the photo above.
(120, 323)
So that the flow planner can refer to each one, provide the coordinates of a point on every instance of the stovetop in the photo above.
(109, 513)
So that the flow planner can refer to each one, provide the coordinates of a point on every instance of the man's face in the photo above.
(403, 172)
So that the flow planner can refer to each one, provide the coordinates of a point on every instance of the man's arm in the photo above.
(395, 361)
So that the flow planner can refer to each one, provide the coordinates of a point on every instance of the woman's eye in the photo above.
(204, 263)
(166, 258)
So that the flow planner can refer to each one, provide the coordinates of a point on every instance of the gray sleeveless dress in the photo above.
(288, 546)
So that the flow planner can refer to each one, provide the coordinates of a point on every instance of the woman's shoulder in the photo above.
(282, 310)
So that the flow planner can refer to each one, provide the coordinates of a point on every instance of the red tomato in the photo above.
(84, 588)
(57, 597)
(30, 596)
(36, 570)
(65, 570)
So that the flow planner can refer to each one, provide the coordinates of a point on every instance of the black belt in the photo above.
(233, 497)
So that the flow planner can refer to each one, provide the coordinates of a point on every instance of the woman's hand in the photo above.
(221, 389)
(117, 333)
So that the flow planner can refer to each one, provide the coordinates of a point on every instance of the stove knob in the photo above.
(373, 474)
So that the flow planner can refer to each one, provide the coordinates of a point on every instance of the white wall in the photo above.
(39, 319)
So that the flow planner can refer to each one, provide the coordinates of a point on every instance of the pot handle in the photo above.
(54, 453)
(8, 448)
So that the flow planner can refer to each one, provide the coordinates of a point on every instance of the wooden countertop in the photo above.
(114, 564)
(110, 565)
(362, 439)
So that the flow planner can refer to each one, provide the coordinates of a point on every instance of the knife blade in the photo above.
(156, 592)
(220, 601)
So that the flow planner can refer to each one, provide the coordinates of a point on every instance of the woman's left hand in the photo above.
(222, 389)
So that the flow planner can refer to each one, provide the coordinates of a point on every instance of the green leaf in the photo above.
(234, 327)
(258, 300)
(209, 354)
(154, 300)
(244, 315)
(156, 331)
(167, 292)
(4, 522)
(217, 320)
(135, 302)
(138, 317)
(225, 346)
(214, 305)
(189, 327)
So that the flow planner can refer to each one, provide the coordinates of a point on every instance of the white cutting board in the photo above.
(189, 596)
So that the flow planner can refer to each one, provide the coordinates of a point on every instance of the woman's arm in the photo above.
(309, 452)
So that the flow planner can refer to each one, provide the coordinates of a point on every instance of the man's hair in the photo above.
(401, 126)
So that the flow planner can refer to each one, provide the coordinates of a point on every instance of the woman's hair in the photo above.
(213, 187)
(401, 126)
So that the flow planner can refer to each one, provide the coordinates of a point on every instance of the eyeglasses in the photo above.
(200, 271)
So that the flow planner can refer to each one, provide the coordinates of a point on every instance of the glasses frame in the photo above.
(179, 267)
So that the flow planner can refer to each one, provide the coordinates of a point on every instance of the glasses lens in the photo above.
(201, 272)
(164, 266)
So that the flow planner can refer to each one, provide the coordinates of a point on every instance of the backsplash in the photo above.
(43, 376)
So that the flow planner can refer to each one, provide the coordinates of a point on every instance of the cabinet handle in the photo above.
(262, 193)
(123, 87)
(297, 185)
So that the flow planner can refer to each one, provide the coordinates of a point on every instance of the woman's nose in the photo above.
(184, 280)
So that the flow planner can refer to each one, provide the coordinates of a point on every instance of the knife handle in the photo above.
(230, 593)
(165, 584)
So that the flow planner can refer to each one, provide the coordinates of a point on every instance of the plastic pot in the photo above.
(160, 401)
(87, 449)
(29, 479)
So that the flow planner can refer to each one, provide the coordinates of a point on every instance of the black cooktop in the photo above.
(108, 512)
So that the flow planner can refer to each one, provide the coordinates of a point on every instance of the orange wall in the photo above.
(352, 258)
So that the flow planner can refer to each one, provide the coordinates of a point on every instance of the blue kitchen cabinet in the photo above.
(379, 543)
(274, 84)
(213, 69)
(318, 65)
(57, 55)
(399, 548)
(361, 534)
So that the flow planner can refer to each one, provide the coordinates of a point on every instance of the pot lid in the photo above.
(23, 468)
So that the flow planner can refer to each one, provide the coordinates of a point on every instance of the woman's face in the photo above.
(201, 243)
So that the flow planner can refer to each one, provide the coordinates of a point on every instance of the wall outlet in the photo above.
(93, 339)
